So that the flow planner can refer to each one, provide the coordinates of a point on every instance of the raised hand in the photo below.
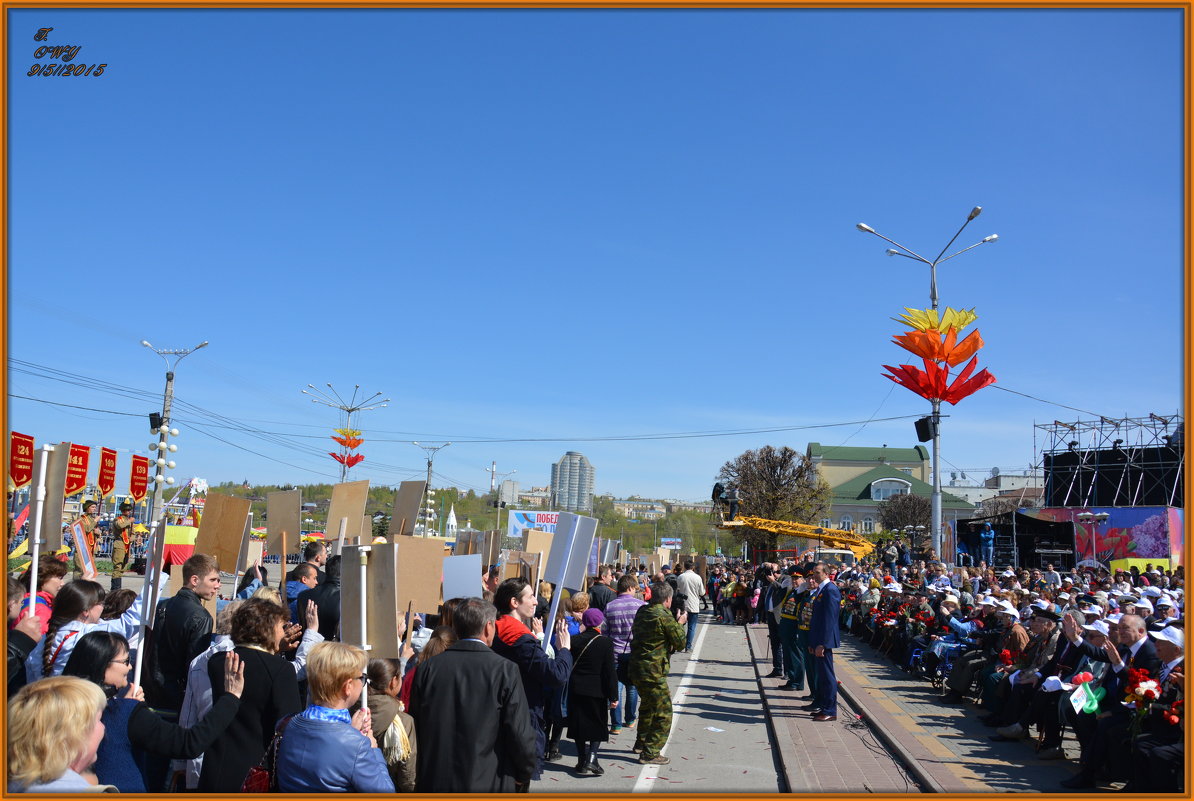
(234, 674)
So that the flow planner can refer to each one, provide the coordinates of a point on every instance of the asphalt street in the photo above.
(719, 741)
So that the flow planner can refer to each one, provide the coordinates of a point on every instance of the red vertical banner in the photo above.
(107, 472)
(20, 460)
(76, 471)
(139, 478)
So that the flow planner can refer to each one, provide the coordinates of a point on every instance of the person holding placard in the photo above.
(515, 602)
(89, 521)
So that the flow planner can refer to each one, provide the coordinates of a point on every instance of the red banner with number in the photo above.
(107, 472)
(139, 479)
(20, 460)
(76, 470)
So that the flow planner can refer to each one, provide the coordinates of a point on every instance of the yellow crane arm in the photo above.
(837, 538)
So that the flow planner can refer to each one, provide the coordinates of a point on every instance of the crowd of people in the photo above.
(265, 696)
(1093, 655)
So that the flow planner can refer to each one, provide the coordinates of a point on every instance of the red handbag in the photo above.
(263, 777)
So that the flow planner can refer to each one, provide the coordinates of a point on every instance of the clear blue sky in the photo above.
(571, 224)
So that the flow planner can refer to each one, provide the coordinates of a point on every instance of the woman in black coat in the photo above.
(592, 691)
(271, 693)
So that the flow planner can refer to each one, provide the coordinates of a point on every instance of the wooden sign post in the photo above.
(369, 599)
(222, 528)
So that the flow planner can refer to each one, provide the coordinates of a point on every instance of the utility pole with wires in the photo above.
(425, 504)
(349, 438)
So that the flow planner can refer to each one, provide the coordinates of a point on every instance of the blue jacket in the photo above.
(293, 588)
(824, 629)
(987, 536)
(320, 756)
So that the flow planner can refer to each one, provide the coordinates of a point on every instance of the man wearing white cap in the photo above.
(1157, 754)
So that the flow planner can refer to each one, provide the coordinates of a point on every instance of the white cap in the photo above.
(1100, 626)
(1114, 618)
(1152, 592)
(1008, 609)
(1007, 573)
(1171, 634)
(988, 601)
(1087, 609)
(893, 586)
(1063, 596)
(1041, 604)
(1164, 600)
(950, 599)
(1143, 604)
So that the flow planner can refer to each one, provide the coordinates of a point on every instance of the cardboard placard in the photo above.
(664, 557)
(609, 551)
(420, 570)
(57, 462)
(464, 543)
(222, 529)
(348, 501)
(406, 508)
(536, 541)
(702, 567)
(570, 552)
(381, 599)
(490, 548)
(283, 512)
(462, 576)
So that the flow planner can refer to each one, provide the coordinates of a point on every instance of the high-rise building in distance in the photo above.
(572, 483)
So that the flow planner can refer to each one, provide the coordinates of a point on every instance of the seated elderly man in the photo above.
(1042, 707)
(1103, 748)
(1014, 693)
(1001, 630)
(1158, 754)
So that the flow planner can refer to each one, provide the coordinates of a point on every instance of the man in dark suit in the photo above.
(1135, 650)
(472, 721)
(824, 635)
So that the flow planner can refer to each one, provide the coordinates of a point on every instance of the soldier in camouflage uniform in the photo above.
(656, 635)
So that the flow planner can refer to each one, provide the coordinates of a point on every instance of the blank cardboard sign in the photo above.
(57, 461)
(420, 570)
(283, 510)
(222, 529)
(381, 599)
(348, 501)
(406, 508)
(536, 541)
(462, 576)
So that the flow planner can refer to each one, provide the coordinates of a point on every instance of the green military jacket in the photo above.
(654, 638)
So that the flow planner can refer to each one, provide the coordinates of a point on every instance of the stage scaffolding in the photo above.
(1131, 461)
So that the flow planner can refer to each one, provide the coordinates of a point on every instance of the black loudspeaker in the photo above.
(926, 429)
(155, 421)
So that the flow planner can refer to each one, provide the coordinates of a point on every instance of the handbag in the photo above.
(263, 777)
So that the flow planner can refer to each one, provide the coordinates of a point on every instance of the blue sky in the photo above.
(563, 224)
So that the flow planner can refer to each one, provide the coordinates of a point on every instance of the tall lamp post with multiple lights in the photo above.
(428, 499)
(163, 429)
(935, 430)
(347, 408)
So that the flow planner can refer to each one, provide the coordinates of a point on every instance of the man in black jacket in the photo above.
(1135, 650)
(601, 592)
(327, 598)
(181, 631)
(472, 720)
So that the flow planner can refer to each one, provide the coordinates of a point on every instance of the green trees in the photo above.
(778, 484)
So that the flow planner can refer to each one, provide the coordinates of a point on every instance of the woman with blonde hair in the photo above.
(325, 749)
(393, 729)
(268, 593)
(54, 731)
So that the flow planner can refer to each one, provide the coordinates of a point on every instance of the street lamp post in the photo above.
(1094, 520)
(936, 402)
(494, 477)
(163, 446)
(347, 407)
(425, 502)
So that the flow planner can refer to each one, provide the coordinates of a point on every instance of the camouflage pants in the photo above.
(120, 558)
(654, 717)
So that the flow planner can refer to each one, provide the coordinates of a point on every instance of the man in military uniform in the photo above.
(656, 635)
(89, 520)
(122, 530)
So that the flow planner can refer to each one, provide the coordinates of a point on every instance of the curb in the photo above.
(771, 732)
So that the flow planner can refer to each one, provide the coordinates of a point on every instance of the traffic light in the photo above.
(926, 429)
(498, 504)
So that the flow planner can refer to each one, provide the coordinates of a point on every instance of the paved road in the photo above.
(714, 688)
